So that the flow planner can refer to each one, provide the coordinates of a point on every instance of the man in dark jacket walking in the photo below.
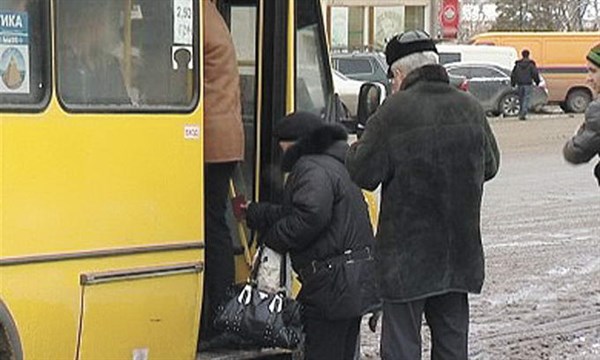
(431, 148)
(523, 76)
(324, 224)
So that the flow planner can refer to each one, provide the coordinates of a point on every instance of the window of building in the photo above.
(115, 56)
(414, 18)
(356, 27)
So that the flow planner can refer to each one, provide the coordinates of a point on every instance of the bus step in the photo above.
(271, 354)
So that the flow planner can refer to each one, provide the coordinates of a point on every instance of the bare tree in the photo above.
(475, 18)
(543, 15)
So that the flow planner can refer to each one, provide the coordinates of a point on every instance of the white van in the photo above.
(504, 56)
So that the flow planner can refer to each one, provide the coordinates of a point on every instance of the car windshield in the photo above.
(381, 58)
(339, 74)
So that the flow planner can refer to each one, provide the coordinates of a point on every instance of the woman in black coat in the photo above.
(323, 223)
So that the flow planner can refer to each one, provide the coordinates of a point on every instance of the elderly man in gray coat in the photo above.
(431, 148)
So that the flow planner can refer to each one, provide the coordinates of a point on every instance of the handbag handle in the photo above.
(254, 270)
(283, 273)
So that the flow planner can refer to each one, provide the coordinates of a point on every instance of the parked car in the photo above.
(348, 91)
(372, 67)
(363, 66)
(490, 84)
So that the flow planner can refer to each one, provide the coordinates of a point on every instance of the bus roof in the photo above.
(525, 34)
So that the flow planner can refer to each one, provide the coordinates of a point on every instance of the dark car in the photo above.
(364, 66)
(372, 67)
(490, 84)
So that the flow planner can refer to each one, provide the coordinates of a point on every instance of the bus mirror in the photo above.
(371, 95)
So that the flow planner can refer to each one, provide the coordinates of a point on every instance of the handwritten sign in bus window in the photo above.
(183, 22)
(14, 52)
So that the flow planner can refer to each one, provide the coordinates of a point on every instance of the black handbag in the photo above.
(268, 319)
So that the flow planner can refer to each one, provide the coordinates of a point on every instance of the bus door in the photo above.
(283, 65)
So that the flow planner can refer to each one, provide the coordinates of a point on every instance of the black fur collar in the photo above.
(431, 73)
(319, 141)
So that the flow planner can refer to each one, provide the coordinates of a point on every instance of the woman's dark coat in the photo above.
(323, 214)
(431, 148)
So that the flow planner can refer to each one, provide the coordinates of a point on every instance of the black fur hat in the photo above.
(295, 125)
(407, 43)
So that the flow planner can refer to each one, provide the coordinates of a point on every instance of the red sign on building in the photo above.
(449, 18)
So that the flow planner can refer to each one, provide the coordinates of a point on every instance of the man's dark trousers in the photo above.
(447, 316)
(524, 92)
(219, 264)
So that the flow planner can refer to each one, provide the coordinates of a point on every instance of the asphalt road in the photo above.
(541, 234)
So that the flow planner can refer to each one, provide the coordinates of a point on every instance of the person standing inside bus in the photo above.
(223, 149)
(431, 149)
(523, 76)
(582, 147)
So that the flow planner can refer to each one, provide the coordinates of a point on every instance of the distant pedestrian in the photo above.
(523, 76)
(431, 148)
(586, 142)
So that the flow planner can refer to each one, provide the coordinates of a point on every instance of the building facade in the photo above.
(351, 25)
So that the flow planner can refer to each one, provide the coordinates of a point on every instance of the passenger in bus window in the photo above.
(89, 71)
(223, 149)
(137, 63)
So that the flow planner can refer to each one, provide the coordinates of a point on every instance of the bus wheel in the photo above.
(6, 349)
(10, 346)
(578, 101)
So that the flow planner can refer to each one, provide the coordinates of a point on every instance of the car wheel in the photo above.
(578, 101)
(509, 105)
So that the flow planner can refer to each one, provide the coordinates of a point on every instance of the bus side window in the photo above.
(24, 59)
(123, 55)
(90, 71)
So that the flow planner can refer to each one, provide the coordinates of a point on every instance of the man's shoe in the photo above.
(522, 118)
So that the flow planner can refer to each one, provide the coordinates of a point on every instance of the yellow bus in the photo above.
(560, 57)
(101, 170)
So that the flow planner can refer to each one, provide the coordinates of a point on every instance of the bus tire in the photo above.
(10, 345)
(578, 100)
